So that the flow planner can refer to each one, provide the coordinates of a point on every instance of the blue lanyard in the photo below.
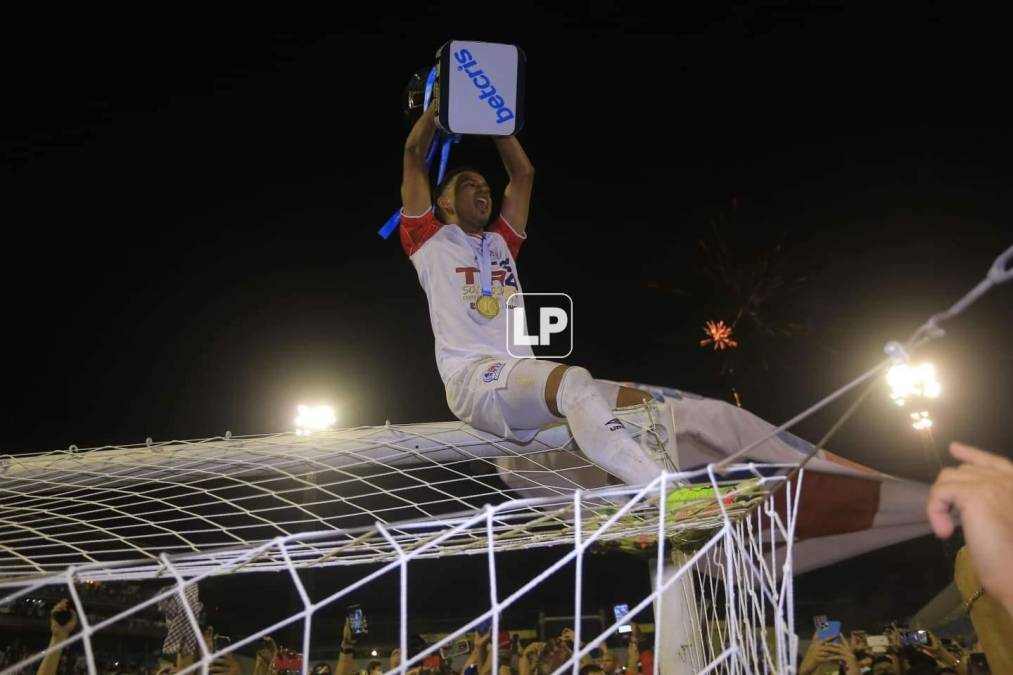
(429, 89)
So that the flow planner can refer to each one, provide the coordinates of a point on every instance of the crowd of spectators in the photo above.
(895, 650)
(468, 656)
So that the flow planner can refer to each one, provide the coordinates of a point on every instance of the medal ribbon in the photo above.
(485, 267)
(441, 140)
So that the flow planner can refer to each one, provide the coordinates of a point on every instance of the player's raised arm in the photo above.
(415, 197)
(517, 197)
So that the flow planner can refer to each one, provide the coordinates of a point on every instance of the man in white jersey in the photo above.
(467, 268)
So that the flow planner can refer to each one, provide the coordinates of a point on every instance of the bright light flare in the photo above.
(921, 420)
(910, 381)
(314, 418)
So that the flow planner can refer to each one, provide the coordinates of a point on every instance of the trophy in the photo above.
(478, 88)
(414, 96)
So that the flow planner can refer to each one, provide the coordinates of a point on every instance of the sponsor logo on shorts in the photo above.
(614, 424)
(492, 372)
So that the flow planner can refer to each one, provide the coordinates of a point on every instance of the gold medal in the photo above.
(487, 306)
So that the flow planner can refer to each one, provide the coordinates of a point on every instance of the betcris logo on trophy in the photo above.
(481, 88)
(487, 90)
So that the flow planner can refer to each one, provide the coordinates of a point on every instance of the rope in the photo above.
(999, 272)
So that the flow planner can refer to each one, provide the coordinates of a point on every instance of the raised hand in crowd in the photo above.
(633, 650)
(62, 622)
(346, 660)
(478, 644)
(607, 661)
(566, 638)
(813, 657)
(940, 654)
(556, 652)
(840, 650)
(981, 490)
(267, 652)
(567, 635)
(828, 651)
(529, 658)
(486, 668)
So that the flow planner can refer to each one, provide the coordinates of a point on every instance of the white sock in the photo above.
(601, 435)
(609, 391)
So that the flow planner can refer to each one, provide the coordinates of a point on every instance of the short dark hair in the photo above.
(372, 665)
(448, 180)
(591, 668)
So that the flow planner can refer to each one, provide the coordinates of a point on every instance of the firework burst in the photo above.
(719, 335)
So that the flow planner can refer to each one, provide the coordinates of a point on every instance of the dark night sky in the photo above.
(190, 207)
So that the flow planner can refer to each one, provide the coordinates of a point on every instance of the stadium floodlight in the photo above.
(907, 382)
(921, 420)
(314, 418)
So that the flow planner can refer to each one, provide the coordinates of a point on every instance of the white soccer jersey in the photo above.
(446, 259)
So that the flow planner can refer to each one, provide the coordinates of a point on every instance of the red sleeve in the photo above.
(416, 230)
(512, 238)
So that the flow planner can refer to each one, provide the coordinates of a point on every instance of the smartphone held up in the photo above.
(356, 621)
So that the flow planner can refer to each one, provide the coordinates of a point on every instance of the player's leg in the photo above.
(710, 429)
(571, 392)
(516, 397)
(503, 397)
(615, 394)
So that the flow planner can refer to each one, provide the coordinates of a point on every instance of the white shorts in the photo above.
(505, 397)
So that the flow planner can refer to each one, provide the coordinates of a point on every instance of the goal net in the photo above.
(374, 501)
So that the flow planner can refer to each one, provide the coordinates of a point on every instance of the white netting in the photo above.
(138, 502)
(724, 578)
